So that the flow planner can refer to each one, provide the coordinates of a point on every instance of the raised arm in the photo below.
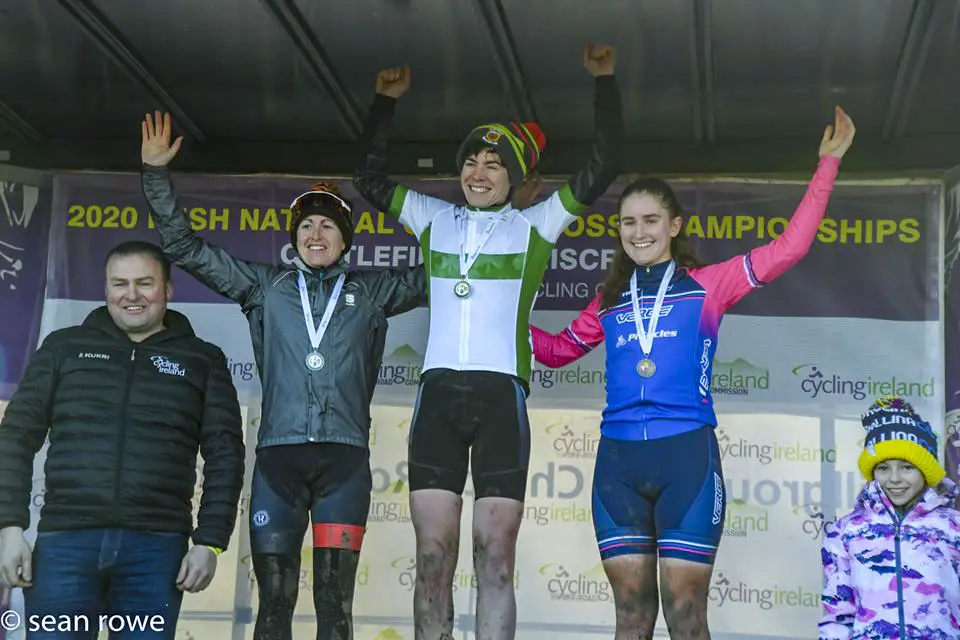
(211, 265)
(555, 214)
(370, 177)
(593, 180)
(730, 281)
(578, 339)
(839, 596)
(223, 452)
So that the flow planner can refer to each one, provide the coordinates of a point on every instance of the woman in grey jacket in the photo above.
(318, 333)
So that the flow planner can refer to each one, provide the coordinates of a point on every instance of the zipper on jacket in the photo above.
(643, 386)
(896, 541)
(318, 298)
(463, 346)
(896, 550)
(121, 441)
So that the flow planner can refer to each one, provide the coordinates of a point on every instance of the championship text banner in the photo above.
(874, 240)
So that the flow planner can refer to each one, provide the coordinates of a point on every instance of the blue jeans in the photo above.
(86, 581)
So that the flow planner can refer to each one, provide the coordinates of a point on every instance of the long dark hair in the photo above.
(680, 249)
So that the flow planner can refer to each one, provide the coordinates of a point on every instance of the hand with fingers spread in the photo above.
(197, 569)
(155, 147)
(838, 136)
(394, 82)
(599, 59)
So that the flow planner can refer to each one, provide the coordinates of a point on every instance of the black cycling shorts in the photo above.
(324, 482)
(478, 417)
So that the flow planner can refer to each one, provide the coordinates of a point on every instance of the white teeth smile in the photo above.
(642, 245)
(477, 189)
(134, 308)
(316, 247)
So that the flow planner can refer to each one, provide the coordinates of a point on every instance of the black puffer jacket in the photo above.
(125, 421)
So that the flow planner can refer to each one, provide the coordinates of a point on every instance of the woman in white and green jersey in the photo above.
(485, 261)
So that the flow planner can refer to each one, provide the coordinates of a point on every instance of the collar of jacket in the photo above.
(647, 276)
(321, 273)
(177, 325)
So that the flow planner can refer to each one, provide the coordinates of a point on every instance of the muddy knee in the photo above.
(493, 561)
(637, 606)
(685, 613)
(436, 562)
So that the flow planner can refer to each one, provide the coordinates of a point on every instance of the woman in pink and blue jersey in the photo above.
(658, 483)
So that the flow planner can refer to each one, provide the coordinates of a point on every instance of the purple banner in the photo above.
(952, 328)
(24, 228)
(875, 240)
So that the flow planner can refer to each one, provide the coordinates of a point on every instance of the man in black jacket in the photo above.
(127, 399)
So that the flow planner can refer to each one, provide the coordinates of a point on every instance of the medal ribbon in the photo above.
(316, 333)
(467, 261)
(645, 338)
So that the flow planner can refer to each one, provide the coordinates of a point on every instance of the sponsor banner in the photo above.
(874, 240)
(796, 364)
(799, 365)
(780, 475)
(24, 229)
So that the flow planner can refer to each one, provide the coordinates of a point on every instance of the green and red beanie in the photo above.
(519, 145)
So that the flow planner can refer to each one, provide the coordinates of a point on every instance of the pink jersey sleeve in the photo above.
(579, 338)
(729, 281)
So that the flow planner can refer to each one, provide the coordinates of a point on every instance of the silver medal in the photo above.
(646, 367)
(462, 289)
(315, 361)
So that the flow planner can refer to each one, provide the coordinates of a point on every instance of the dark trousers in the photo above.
(98, 579)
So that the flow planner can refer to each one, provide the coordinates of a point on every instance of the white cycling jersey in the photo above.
(487, 330)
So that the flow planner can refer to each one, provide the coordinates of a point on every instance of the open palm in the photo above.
(155, 147)
(838, 136)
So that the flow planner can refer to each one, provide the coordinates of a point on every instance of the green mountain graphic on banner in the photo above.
(405, 353)
(389, 634)
(739, 374)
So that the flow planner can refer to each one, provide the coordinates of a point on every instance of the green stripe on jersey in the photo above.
(538, 256)
(570, 203)
(396, 201)
(502, 266)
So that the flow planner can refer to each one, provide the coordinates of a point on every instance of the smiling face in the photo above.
(137, 294)
(484, 180)
(647, 228)
(901, 481)
(319, 241)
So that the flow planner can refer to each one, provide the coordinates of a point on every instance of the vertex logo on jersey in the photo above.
(659, 333)
(625, 317)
